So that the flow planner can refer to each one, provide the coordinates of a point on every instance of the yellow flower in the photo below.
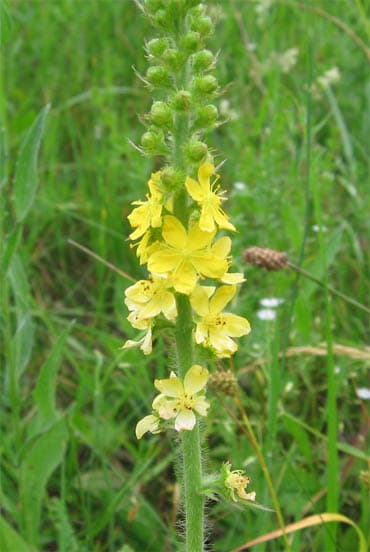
(236, 481)
(207, 196)
(145, 247)
(148, 298)
(149, 213)
(189, 255)
(145, 343)
(215, 329)
(148, 423)
(180, 399)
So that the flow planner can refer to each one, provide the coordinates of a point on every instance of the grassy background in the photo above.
(73, 476)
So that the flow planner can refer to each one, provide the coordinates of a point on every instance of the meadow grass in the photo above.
(74, 478)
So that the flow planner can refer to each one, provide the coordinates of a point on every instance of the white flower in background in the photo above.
(363, 393)
(226, 111)
(330, 77)
(288, 59)
(266, 314)
(271, 302)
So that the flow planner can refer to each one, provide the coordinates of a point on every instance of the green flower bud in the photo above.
(171, 179)
(158, 76)
(196, 151)
(162, 20)
(172, 58)
(157, 46)
(205, 85)
(153, 142)
(190, 42)
(202, 60)
(206, 117)
(182, 100)
(161, 115)
(203, 25)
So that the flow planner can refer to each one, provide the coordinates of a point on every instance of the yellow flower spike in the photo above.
(148, 423)
(215, 329)
(180, 399)
(186, 256)
(235, 482)
(149, 213)
(208, 198)
(148, 298)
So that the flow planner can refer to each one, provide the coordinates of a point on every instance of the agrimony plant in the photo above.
(176, 232)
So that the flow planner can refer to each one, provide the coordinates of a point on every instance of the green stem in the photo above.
(191, 445)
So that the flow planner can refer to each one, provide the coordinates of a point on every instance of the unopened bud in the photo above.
(157, 46)
(172, 58)
(205, 85)
(202, 60)
(153, 142)
(158, 76)
(206, 117)
(171, 178)
(182, 101)
(161, 115)
(203, 25)
(190, 42)
(196, 151)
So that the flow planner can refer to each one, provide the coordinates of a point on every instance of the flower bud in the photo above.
(161, 115)
(157, 46)
(171, 179)
(203, 25)
(158, 76)
(190, 42)
(205, 85)
(182, 100)
(206, 117)
(172, 58)
(153, 142)
(196, 151)
(202, 60)
(162, 20)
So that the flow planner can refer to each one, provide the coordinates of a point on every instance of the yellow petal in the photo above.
(221, 298)
(171, 387)
(198, 239)
(201, 333)
(209, 265)
(185, 420)
(194, 189)
(201, 406)
(222, 343)
(236, 326)
(164, 260)
(205, 171)
(195, 379)
(222, 247)
(146, 345)
(185, 278)
(156, 216)
(148, 423)
(173, 232)
(199, 300)
(223, 221)
(233, 278)
(206, 220)
(166, 408)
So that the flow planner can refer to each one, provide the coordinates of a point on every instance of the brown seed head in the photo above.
(224, 382)
(266, 258)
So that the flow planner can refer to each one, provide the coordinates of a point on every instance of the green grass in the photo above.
(73, 476)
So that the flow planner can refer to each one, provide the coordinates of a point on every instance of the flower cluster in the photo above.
(179, 259)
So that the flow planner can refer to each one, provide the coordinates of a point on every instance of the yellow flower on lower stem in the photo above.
(181, 399)
(207, 196)
(145, 343)
(236, 482)
(186, 256)
(148, 298)
(215, 329)
(149, 212)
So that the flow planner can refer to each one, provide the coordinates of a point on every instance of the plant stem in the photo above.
(191, 446)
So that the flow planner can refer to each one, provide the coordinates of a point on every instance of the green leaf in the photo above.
(26, 181)
(10, 540)
(45, 454)
(44, 393)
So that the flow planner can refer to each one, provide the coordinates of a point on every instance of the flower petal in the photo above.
(164, 260)
(236, 326)
(201, 406)
(185, 278)
(199, 300)
(205, 171)
(194, 189)
(185, 420)
(171, 387)
(198, 239)
(209, 265)
(207, 219)
(221, 298)
(222, 247)
(173, 232)
(233, 278)
(148, 423)
(195, 379)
